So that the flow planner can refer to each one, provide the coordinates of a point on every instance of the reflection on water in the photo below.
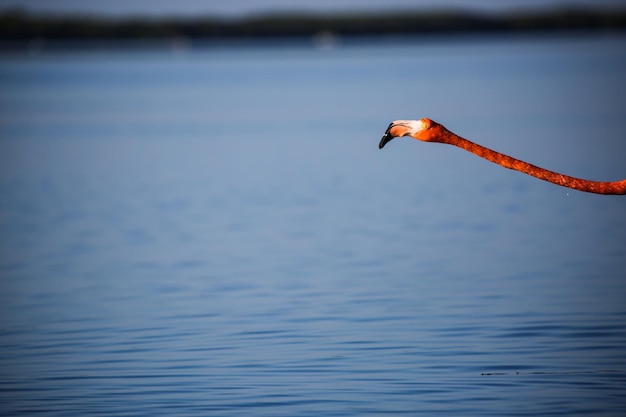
(218, 233)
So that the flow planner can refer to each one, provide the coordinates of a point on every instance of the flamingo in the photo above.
(428, 130)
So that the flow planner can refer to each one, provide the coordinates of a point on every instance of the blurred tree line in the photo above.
(16, 25)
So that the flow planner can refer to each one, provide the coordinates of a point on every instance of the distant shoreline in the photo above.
(17, 27)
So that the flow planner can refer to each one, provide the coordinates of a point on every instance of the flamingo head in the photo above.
(418, 129)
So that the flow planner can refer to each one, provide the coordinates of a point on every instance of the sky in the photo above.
(239, 8)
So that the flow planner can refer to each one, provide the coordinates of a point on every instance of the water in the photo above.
(215, 232)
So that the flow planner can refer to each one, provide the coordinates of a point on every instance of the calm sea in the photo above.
(213, 230)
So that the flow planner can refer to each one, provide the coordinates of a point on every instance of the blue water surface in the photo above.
(214, 231)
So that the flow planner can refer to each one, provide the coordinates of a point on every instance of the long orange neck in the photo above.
(598, 187)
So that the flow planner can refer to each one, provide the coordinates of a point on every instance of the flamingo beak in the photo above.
(386, 137)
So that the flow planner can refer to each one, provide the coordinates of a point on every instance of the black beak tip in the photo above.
(386, 137)
(383, 141)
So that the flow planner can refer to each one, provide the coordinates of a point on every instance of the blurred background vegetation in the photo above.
(17, 26)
